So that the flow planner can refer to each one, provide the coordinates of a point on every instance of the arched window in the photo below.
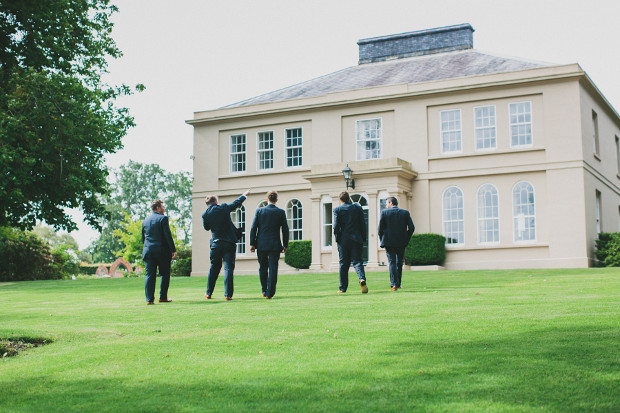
(453, 217)
(523, 212)
(294, 215)
(238, 218)
(488, 215)
(262, 203)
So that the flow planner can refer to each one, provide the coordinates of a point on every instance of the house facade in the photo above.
(516, 163)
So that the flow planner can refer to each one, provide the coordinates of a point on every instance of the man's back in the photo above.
(265, 232)
(217, 219)
(395, 227)
(349, 224)
(156, 235)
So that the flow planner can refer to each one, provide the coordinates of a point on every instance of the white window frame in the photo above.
(443, 132)
(530, 123)
(596, 147)
(444, 221)
(262, 203)
(288, 148)
(238, 218)
(483, 219)
(234, 154)
(327, 218)
(599, 212)
(520, 219)
(492, 126)
(264, 151)
(381, 198)
(378, 140)
(295, 225)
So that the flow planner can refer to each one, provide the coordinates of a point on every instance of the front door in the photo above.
(363, 202)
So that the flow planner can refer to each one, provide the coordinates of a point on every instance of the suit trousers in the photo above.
(268, 271)
(350, 254)
(395, 256)
(226, 252)
(151, 275)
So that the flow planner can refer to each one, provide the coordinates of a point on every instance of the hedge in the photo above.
(299, 254)
(608, 249)
(426, 249)
(25, 257)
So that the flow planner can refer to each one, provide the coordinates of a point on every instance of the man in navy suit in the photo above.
(350, 233)
(395, 230)
(158, 251)
(269, 221)
(223, 242)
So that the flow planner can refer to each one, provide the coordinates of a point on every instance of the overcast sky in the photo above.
(195, 55)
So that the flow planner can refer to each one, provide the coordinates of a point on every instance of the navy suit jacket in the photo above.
(157, 238)
(349, 224)
(217, 220)
(395, 227)
(265, 232)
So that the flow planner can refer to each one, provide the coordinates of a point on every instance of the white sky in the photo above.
(195, 55)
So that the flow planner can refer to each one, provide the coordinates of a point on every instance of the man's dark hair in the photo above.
(272, 196)
(156, 204)
(392, 199)
(344, 197)
(210, 200)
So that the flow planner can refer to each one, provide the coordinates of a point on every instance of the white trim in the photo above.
(259, 151)
(478, 216)
(290, 219)
(493, 148)
(443, 216)
(326, 199)
(512, 215)
(230, 153)
(286, 148)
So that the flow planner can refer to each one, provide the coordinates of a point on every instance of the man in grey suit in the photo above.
(350, 233)
(223, 242)
(269, 221)
(158, 251)
(395, 230)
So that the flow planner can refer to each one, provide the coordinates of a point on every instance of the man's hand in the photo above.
(174, 255)
(252, 248)
(284, 250)
(245, 194)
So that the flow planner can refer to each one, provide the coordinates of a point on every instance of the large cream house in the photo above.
(516, 162)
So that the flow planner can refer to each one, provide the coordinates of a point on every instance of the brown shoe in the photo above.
(364, 286)
(268, 298)
(165, 300)
(149, 303)
(228, 298)
(341, 292)
(394, 288)
(208, 297)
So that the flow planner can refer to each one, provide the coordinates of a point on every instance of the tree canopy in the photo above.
(57, 117)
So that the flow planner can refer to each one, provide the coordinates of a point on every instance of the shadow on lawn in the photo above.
(571, 369)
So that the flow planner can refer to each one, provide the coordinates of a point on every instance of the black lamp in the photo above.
(348, 177)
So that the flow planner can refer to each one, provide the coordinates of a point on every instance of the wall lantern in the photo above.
(348, 177)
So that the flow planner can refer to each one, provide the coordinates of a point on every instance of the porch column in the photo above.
(316, 233)
(373, 223)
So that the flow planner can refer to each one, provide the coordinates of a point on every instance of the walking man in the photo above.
(223, 242)
(395, 230)
(158, 251)
(350, 232)
(265, 239)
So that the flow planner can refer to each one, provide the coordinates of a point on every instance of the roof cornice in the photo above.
(390, 92)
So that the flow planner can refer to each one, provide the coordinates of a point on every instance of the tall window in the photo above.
(488, 215)
(238, 218)
(265, 150)
(484, 127)
(521, 124)
(327, 217)
(294, 147)
(295, 219)
(450, 130)
(368, 133)
(595, 144)
(523, 212)
(262, 203)
(598, 212)
(237, 153)
(453, 217)
(617, 155)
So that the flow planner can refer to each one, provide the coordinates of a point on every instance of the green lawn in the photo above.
(528, 340)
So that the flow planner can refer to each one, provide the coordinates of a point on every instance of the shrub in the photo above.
(182, 267)
(608, 249)
(25, 257)
(90, 269)
(426, 249)
(299, 254)
(64, 262)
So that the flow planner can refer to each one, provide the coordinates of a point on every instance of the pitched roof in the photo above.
(408, 70)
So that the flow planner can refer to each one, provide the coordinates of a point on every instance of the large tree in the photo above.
(57, 116)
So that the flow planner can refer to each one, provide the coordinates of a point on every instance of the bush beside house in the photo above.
(426, 249)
